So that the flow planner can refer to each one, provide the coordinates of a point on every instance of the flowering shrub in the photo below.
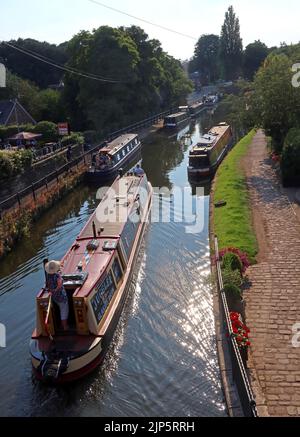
(243, 256)
(240, 330)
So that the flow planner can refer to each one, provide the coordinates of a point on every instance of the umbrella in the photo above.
(25, 136)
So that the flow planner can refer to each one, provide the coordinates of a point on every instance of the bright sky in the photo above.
(272, 21)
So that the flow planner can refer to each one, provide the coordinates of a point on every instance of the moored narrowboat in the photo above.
(116, 155)
(96, 273)
(196, 109)
(176, 121)
(207, 155)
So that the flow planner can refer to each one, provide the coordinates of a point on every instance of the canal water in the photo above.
(163, 359)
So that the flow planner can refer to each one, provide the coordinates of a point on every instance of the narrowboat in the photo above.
(96, 273)
(176, 121)
(211, 101)
(206, 156)
(196, 109)
(116, 155)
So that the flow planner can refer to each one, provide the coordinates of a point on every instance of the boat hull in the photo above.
(208, 172)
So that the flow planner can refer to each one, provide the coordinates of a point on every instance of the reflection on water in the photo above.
(163, 358)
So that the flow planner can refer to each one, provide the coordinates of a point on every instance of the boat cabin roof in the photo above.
(178, 114)
(117, 144)
(196, 105)
(93, 255)
(209, 140)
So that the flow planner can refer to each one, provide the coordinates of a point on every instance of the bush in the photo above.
(74, 138)
(232, 261)
(6, 165)
(232, 278)
(48, 130)
(233, 291)
(242, 256)
(9, 131)
(290, 162)
(12, 163)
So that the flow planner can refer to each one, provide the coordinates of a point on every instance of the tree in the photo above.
(142, 78)
(206, 58)
(28, 67)
(254, 56)
(290, 163)
(276, 103)
(231, 46)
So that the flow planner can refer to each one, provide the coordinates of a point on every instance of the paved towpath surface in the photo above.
(273, 300)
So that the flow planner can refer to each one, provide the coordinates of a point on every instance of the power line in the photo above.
(143, 20)
(64, 66)
(61, 67)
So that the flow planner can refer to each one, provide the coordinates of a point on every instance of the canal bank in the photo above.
(231, 223)
(163, 360)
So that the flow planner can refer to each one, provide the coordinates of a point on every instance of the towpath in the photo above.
(273, 300)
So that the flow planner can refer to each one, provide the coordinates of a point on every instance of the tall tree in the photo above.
(254, 56)
(231, 50)
(146, 78)
(206, 58)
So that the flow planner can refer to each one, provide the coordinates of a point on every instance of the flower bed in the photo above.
(240, 330)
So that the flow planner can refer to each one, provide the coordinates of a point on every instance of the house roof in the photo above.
(7, 108)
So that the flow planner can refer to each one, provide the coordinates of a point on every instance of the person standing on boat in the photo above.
(138, 171)
(55, 287)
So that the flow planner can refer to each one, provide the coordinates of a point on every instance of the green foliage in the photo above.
(48, 130)
(275, 102)
(290, 163)
(14, 162)
(233, 223)
(232, 261)
(10, 131)
(231, 46)
(146, 79)
(254, 56)
(74, 138)
(231, 277)
(206, 58)
(31, 69)
(232, 291)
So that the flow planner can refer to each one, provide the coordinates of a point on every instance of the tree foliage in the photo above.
(206, 58)
(276, 103)
(290, 163)
(231, 46)
(27, 67)
(254, 56)
(144, 78)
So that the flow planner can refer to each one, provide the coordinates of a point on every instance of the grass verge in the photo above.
(233, 223)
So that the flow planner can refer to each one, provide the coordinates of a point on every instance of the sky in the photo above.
(56, 21)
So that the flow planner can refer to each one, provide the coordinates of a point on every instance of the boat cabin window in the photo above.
(104, 294)
(117, 270)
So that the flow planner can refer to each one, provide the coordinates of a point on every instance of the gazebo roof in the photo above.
(27, 136)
